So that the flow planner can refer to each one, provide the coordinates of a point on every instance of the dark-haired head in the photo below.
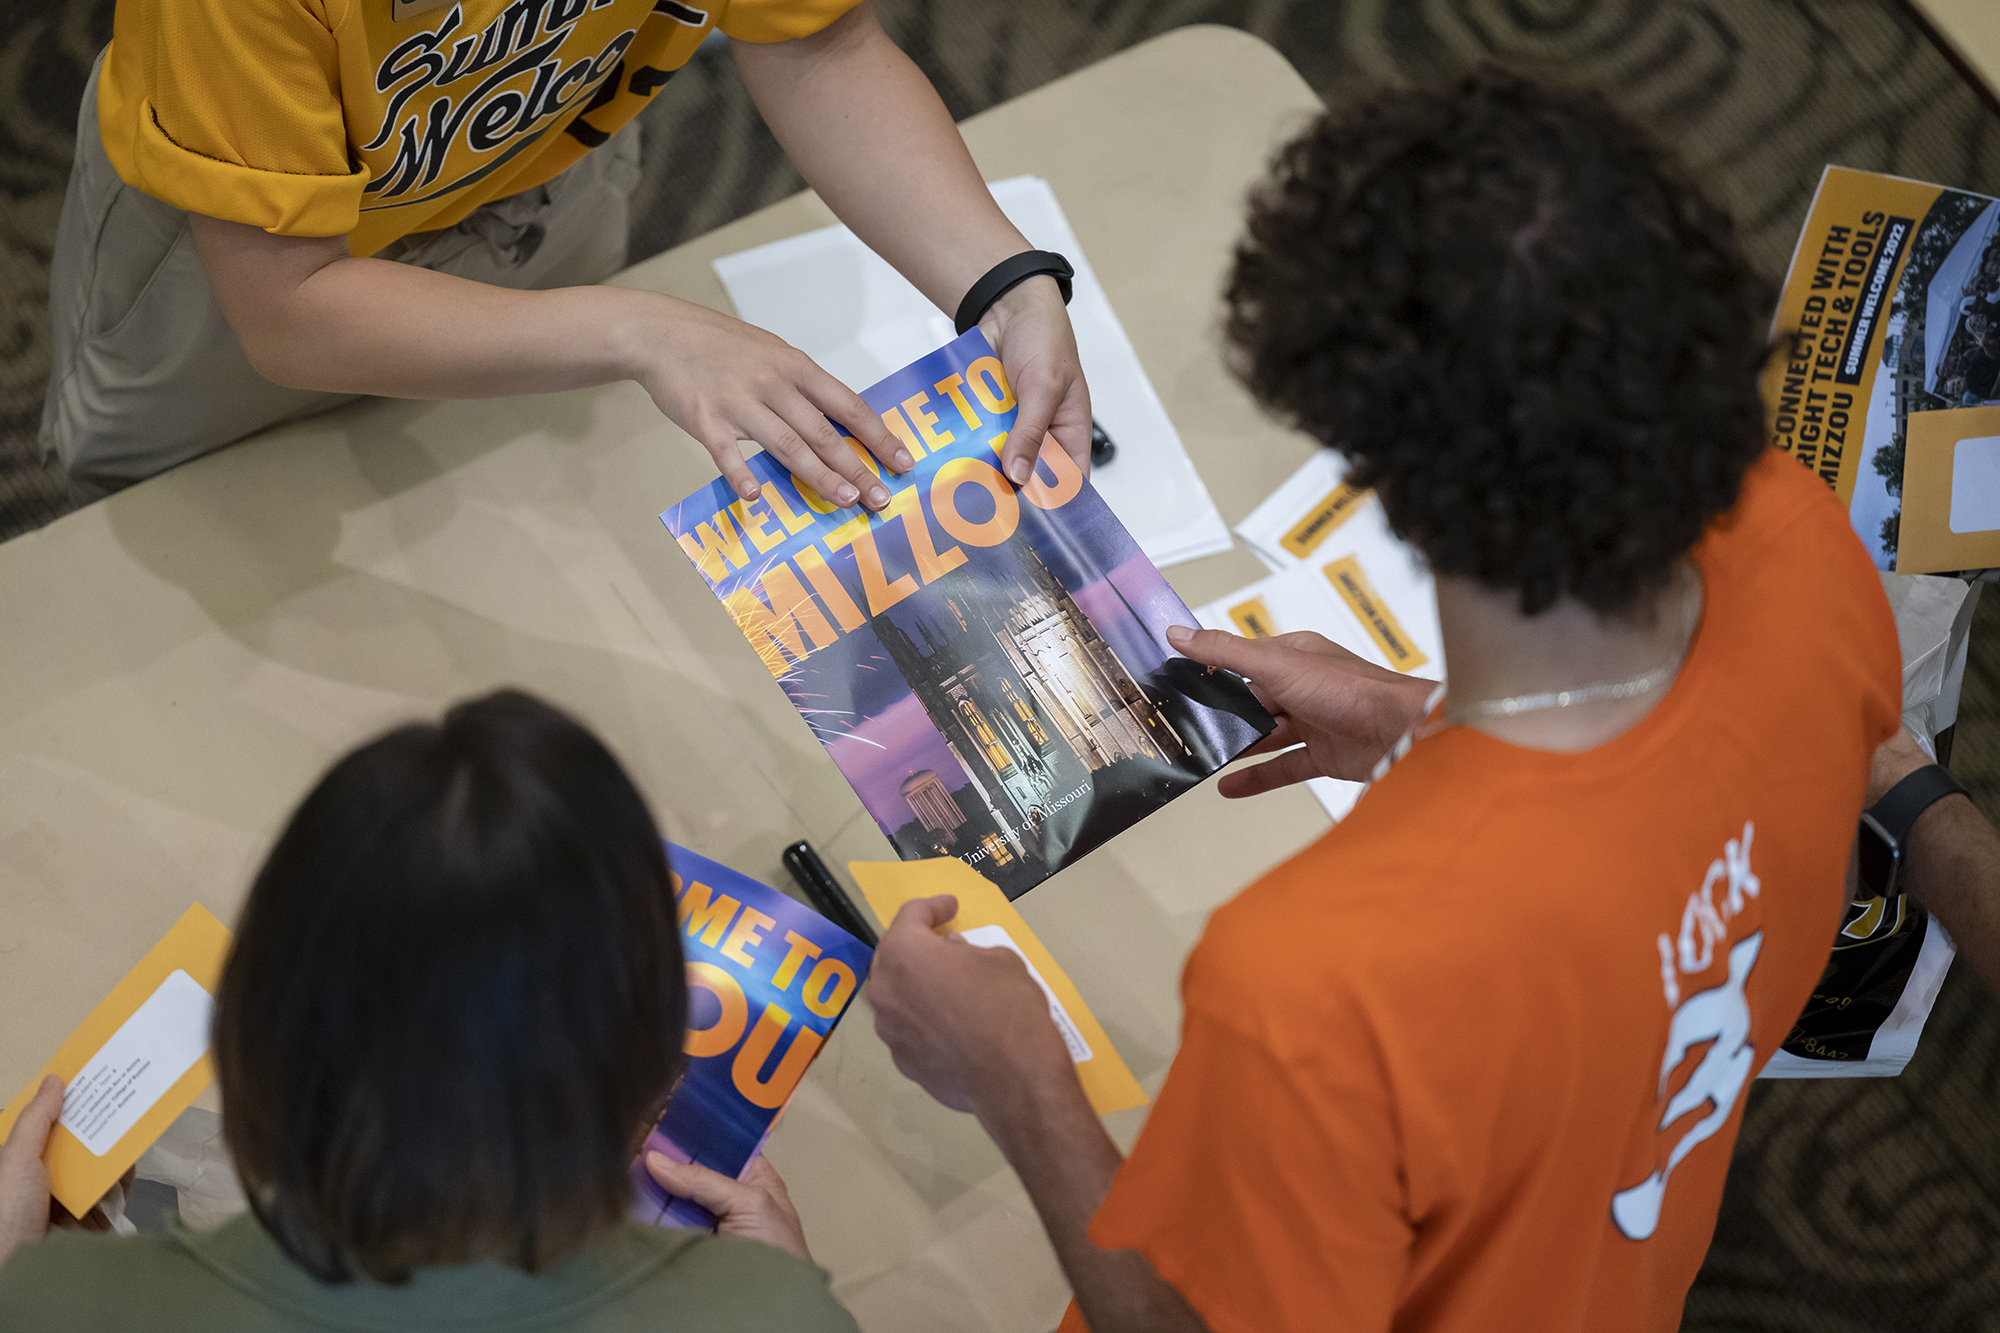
(1520, 323)
(455, 998)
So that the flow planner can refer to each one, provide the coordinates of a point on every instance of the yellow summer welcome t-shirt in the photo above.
(331, 117)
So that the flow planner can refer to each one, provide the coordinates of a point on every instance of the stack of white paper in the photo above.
(830, 296)
(1339, 571)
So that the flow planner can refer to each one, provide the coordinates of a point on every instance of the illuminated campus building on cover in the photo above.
(1030, 700)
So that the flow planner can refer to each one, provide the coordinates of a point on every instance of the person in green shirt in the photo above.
(454, 1004)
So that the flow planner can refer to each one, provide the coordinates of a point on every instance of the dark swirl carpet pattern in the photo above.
(1853, 1206)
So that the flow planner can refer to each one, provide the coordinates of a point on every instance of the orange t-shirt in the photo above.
(335, 117)
(1475, 1060)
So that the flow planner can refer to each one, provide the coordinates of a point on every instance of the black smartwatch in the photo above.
(1885, 827)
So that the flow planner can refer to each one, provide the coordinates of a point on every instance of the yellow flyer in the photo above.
(986, 919)
(134, 1065)
(1888, 332)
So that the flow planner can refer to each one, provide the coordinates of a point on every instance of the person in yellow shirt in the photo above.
(280, 204)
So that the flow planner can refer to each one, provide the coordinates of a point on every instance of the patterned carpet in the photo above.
(1853, 1205)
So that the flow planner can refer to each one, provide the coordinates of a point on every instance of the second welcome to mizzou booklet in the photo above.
(768, 980)
(988, 666)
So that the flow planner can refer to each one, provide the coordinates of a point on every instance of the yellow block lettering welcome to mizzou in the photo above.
(1374, 614)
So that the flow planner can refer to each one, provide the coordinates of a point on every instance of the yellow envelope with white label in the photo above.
(134, 1065)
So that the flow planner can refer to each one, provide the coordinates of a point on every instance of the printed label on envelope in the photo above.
(987, 920)
(1374, 614)
(144, 1058)
(1322, 519)
(1253, 619)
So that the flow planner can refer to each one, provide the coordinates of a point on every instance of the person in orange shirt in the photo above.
(277, 205)
(1476, 1058)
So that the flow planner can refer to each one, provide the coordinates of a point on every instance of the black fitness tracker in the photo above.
(1885, 827)
(1005, 276)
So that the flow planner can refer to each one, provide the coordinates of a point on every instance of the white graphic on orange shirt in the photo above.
(1705, 922)
(1720, 1016)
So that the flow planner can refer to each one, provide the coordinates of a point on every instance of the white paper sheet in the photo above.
(143, 1060)
(827, 294)
(1298, 595)
(1392, 566)
(1269, 521)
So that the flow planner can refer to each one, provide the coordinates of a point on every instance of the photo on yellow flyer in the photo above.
(1892, 308)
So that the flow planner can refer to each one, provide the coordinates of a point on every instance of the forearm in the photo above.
(869, 133)
(1052, 1138)
(370, 326)
(311, 316)
(1953, 868)
(375, 327)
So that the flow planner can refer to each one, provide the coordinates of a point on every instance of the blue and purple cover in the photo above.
(768, 978)
(986, 664)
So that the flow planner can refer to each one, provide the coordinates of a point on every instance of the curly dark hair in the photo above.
(1519, 322)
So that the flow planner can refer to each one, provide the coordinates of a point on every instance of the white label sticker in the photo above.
(996, 937)
(1975, 485)
(144, 1058)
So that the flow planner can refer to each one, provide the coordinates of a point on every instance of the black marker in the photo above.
(823, 891)
(1102, 450)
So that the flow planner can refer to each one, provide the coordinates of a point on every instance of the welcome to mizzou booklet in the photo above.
(987, 666)
(768, 979)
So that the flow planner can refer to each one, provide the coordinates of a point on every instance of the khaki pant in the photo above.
(146, 372)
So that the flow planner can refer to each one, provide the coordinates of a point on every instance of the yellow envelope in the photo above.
(1951, 505)
(154, 1055)
(987, 919)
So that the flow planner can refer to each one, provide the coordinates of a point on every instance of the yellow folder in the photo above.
(986, 918)
(187, 956)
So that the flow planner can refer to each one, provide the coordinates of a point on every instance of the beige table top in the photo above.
(181, 661)
(1973, 29)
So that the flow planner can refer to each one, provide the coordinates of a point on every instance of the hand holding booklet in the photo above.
(987, 666)
(833, 298)
(768, 978)
(1337, 571)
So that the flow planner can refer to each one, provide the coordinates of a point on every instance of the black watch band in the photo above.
(1005, 276)
(1901, 804)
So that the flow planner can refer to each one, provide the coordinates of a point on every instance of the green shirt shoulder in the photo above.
(235, 1279)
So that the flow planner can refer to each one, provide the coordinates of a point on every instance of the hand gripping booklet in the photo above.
(987, 666)
(768, 978)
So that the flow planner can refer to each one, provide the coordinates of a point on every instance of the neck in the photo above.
(1495, 652)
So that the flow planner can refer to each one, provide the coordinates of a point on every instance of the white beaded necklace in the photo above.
(1576, 694)
(1596, 692)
